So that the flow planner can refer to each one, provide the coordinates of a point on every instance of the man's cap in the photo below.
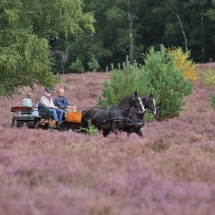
(47, 90)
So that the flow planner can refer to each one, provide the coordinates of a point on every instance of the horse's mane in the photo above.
(114, 106)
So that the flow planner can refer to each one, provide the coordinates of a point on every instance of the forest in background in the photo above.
(130, 27)
(39, 39)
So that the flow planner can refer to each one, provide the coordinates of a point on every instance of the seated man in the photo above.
(48, 102)
(62, 102)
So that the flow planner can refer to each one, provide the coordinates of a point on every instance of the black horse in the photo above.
(134, 120)
(111, 118)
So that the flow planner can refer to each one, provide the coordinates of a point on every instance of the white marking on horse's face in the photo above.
(141, 105)
(155, 106)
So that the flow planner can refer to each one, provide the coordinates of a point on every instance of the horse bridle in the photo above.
(140, 105)
(147, 102)
(132, 121)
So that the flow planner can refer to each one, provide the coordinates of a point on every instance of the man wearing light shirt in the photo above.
(46, 100)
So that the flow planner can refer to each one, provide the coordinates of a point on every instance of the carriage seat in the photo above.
(25, 112)
(44, 112)
(23, 116)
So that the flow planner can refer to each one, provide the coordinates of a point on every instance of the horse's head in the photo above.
(136, 102)
(149, 103)
(132, 100)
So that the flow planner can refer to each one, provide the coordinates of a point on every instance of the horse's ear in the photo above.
(135, 93)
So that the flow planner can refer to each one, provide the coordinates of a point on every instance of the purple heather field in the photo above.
(169, 172)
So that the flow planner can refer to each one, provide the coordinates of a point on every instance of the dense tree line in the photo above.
(131, 27)
(44, 36)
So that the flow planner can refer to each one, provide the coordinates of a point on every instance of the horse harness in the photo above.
(128, 120)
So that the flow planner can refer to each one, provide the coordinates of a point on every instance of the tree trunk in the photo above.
(130, 19)
(175, 12)
(202, 33)
(182, 28)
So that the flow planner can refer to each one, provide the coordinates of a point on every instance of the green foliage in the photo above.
(151, 22)
(25, 27)
(208, 76)
(91, 130)
(170, 86)
(148, 117)
(77, 66)
(124, 81)
(212, 100)
(93, 64)
(25, 63)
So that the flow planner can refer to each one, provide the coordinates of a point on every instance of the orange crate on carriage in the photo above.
(74, 117)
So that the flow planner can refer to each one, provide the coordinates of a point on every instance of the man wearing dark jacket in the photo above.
(62, 102)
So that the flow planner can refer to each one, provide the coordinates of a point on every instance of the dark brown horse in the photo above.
(111, 118)
(135, 120)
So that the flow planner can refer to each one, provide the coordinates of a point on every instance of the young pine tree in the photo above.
(169, 84)
(124, 81)
(212, 100)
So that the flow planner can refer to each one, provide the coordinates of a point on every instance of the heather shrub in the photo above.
(124, 81)
(208, 76)
(181, 62)
(93, 64)
(212, 100)
(77, 66)
(170, 171)
(158, 144)
(169, 84)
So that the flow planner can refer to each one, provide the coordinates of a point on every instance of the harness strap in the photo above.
(91, 119)
(108, 117)
(114, 119)
(129, 121)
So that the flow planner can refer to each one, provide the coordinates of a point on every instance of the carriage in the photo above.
(127, 116)
(23, 117)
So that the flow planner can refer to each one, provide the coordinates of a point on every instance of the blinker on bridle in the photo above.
(141, 104)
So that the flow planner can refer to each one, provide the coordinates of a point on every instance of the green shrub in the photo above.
(159, 76)
(148, 117)
(124, 81)
(77, 66)
(93, 65)
(212, 100)
(208, 76)
(169, 84)
(91, 130)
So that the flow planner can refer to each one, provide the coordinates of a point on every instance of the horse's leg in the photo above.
(139, 133)
(84, 123)
(105, 133)
(114, 128)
